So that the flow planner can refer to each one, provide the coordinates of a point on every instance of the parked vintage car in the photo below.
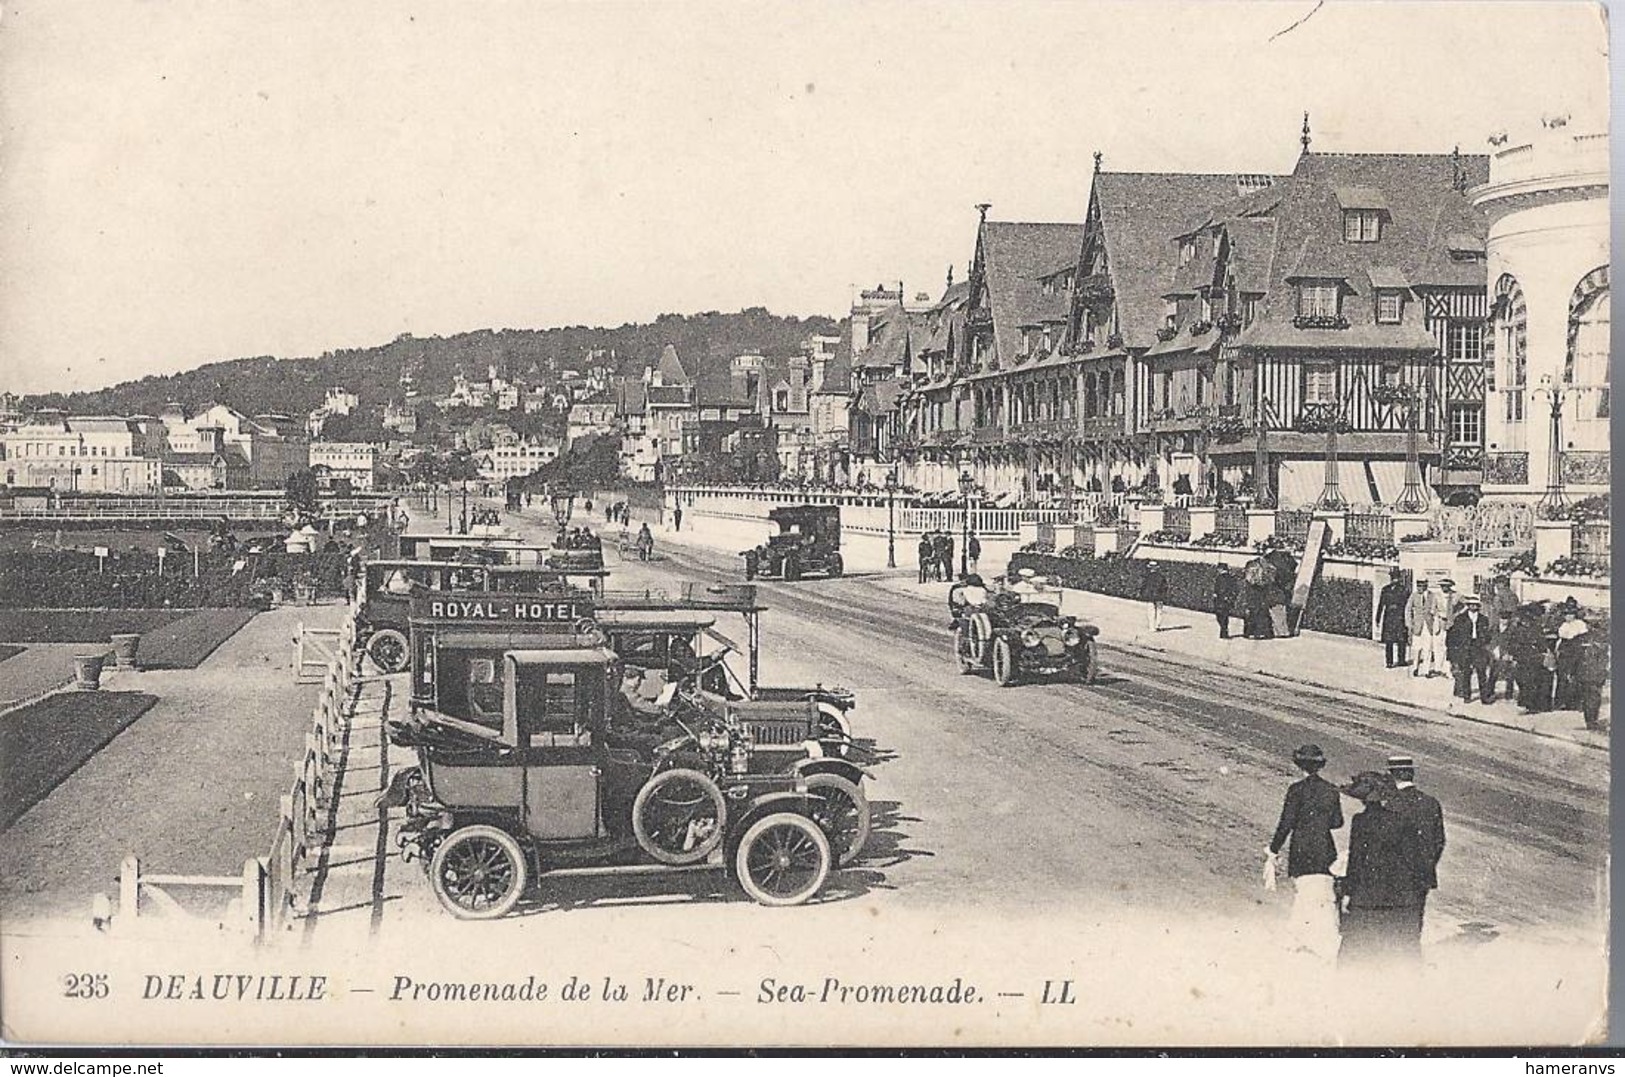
(522, 773)
(808, 541)
(1011, 632)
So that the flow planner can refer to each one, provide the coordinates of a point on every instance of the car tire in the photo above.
(783, 859)
(1089, 673)
(665, 809)
(843, 815)
(981, 638)
(792, 570)
(962, 649)
(478, 873)
(836, 566)
(1004, 663)
(389, 650)
(832, 724)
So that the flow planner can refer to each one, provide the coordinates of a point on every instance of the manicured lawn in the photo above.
(170, 639)
(42, 743)
(7, 650)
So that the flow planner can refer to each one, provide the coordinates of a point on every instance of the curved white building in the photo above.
(1547, 202)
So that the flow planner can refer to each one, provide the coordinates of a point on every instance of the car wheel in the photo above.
(962, 645)
(678, 816)
(1004, 663)
(792, 569)
(836, 567)
(478, 873)
(783, 859)
(1090, 670)
(842, 811)
(388, 650)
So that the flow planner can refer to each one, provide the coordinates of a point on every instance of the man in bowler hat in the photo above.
(1311, 812)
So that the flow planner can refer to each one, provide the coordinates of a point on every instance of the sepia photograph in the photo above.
(726, 524)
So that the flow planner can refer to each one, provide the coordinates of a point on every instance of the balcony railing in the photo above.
(1230, 525)
(1374, 527)
(1292, 525)
(1176, 520)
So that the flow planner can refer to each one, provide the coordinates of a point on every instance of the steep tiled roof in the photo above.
(1425, 205)
(880, 397)
(98, 424)
(1140, 214)
(1015, 256)
(665, 394)
(891, 339)
(838, 371)
(631, 397)
(671, 367)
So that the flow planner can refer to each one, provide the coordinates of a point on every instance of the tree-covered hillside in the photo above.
(295, 386)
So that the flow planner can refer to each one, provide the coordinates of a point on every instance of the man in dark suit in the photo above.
(1391, 618)
(1467, 649)
(1311, 812)
(1226, 587)
(1425, 819)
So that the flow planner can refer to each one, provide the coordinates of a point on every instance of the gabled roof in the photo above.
(671, 367)
(1140, 214)
(1016, 256)
(1426, 205)
(838, 370)
(891, 334)
(667, 394)
(630, 397)
(879, 398)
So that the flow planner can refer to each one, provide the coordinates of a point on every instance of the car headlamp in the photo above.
(1030, 637)
(1072, 637)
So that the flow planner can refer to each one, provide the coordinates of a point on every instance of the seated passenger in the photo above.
(635, 721)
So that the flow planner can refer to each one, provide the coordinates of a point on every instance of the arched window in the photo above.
(1117, 392)
(1585, 366)
(1511, 321)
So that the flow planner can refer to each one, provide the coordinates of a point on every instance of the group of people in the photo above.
(1376, 907)
(1258, 595)
(478, 518)
(577, 538)
(1487, 644)
(618, 512)
(937, 555)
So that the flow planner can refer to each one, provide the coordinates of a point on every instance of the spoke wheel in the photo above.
(792, 569)
(1091, 666)
(832, 724)
(842, 812)
(962, 649)
(1004, 663)
(478, 873)
(783, 859)
(678, 816)
(388, 650)
(836, 567)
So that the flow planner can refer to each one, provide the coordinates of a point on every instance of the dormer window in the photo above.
(1362, 225)
(1170, 314)
(1319, 299)
(1187, 251)
(1390, 306)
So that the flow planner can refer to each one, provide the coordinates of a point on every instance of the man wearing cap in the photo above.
(1391, 618)
(1311, 812)
(1382, 895)
(1226, 588)
(1466, 646)
(1425, 818)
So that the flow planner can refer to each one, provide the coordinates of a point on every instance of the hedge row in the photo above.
(67, 579)
(1339, 606)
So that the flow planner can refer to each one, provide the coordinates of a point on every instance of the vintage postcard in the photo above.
(864, 524)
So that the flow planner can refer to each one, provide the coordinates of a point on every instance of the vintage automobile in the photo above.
(1009, 631)
(386, 589)
(808, 541)
(523, 772)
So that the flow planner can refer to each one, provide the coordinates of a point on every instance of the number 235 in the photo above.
(85, 985)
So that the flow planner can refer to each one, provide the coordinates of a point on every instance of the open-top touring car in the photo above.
(808, 541)
(1012, 631)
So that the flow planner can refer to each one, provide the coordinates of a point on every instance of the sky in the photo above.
(184, 182)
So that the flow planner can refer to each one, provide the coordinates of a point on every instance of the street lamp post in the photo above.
(1554, 498)
(966, 484)
(1414, 497)
(891, 517)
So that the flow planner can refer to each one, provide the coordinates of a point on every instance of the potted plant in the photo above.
(87, 671)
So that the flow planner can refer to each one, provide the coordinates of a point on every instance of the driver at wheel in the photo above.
(634, 721)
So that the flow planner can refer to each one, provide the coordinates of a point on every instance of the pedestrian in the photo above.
(1391, 618)
(1285, 569)
(1382, 903)
(588, 506)
(1225, 590)
(1502, 667)
(942, 551)
(1255, 605)
(1153, 592)
(1422, 614)
(1467, 648)
(1451, 602)
(973, 552)
(646, 543)
(677, 518)
(1527, 647)
(927, 552)
(1311, 812)
(1425, 817)
(1591, 675)
(1571, 633)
